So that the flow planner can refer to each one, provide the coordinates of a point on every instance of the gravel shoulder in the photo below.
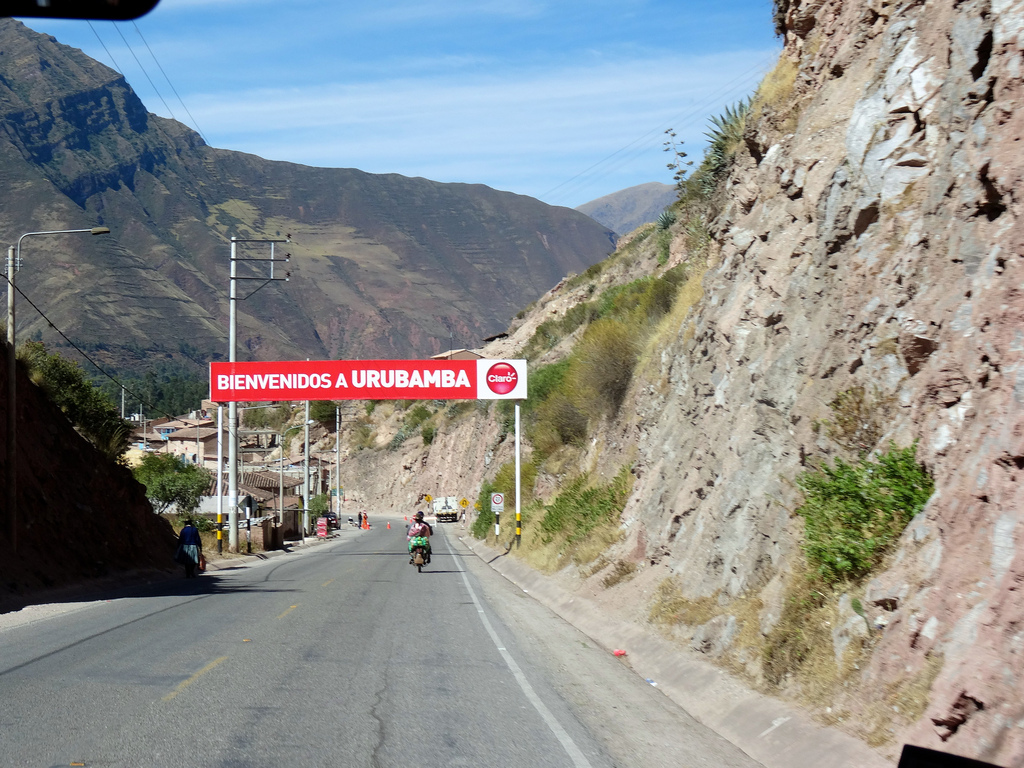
(774, 733)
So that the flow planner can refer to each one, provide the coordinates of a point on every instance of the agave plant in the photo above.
(666, 220)
(727, 130)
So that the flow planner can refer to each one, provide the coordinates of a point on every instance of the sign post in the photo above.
(297, 380)
(497, 507)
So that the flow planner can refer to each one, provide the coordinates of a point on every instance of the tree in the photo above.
(171, 481)
(87, 408)
(320, 505)
(324, 412)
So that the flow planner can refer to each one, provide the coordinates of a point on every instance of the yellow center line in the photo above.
(287, 611)
(186, 683)
(326, 582)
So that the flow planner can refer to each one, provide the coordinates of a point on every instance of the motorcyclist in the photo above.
(420, 529)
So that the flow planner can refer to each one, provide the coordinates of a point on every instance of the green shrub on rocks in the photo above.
(854, 512)
(86, 406)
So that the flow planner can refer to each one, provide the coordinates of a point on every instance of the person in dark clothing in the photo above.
(190, 548)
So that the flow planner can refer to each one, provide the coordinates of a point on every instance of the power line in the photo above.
(82, 352)
(728, 95)
(173, 89)
(152, 84)
(119, 70)
(112, 59)
(735, 86)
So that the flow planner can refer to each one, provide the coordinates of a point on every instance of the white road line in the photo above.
(577, 756)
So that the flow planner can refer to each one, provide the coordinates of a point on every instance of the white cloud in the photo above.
(535, 128)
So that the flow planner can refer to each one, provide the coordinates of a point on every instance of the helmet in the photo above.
(418, 516)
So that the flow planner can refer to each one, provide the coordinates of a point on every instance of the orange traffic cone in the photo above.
(389, 525)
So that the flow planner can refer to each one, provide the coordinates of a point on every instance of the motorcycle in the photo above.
(419, 553)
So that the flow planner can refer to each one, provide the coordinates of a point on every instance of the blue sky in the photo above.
(561, 100)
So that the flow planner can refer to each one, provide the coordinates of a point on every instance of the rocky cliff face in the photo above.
(871, 240)
(868, 241)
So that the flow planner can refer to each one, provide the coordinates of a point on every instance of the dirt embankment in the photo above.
(79, 516)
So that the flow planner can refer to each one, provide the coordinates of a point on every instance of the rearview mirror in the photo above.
(115, 10)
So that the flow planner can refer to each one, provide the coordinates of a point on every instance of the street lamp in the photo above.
(13, 264)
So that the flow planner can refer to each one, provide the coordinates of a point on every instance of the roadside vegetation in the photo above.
(87, 408)
(584, 361)
(166, 387)
(172, 483)
(854, 513)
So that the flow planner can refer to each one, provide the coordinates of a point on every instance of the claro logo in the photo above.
(502, 378)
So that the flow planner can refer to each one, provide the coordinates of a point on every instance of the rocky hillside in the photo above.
(851, 286)
(382, 265)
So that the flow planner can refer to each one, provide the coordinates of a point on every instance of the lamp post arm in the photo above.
(13, 265)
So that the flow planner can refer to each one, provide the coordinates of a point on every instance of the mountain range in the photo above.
(627, 209)
(381, 266)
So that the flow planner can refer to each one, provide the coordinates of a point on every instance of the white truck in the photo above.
(446, 509)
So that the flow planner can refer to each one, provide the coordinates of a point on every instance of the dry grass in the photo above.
(775, 93)
(890, 346)
(859, 418)
(209, 539)
(562, 461)
(542, 557)
(777, 86)
(598, 565)
(689, 294)
(671, 606)
(596, 543)
(622, 571)
(904, 702)
(588, 554)
(747, 611)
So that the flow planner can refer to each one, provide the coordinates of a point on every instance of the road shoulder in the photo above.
(772, 732)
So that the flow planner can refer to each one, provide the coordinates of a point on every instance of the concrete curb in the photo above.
(771, 731)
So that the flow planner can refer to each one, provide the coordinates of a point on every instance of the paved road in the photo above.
(342, 655)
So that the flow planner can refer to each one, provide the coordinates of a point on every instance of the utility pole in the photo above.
(232, 419)
(233, 406)
(220, 479)
(337, 460)
(305, 484)
(12, 370)
(13, 265)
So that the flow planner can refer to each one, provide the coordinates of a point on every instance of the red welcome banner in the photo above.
(368, 380)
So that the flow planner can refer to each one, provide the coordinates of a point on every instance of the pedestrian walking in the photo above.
(190, 548)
